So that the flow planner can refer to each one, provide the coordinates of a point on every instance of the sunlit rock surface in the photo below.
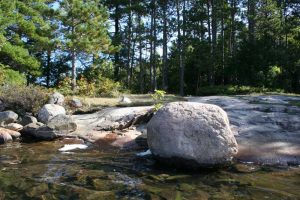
(267, 127)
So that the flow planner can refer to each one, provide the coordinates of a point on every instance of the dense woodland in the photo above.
(180, 46)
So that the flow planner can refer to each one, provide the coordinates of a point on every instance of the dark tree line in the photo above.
(179, 46)
(183, 45)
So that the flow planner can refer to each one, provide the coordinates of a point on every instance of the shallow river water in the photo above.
(40, 171)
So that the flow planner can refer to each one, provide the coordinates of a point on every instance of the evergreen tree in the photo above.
(84, 30)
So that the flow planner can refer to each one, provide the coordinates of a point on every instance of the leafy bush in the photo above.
(158, 96)
(100, 87)
(22, 99)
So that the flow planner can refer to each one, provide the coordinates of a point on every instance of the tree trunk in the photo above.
(182, 63)
(141, 75)
(129, 45)
(251, 19)
(151, 47)
(165, 47)
(48, 68)
(179, 46)
(117, 40)
(154, 47)
(223, 43)
(214, 40)
(73, 60)
(210, 67)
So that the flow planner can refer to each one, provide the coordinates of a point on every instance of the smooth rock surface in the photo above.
(56, 98)
(49, 111)
(8, 117)
(4, 136)
(191, 134)
(13, 134)
(113, 127)
(62, 123)
(266, 127)
(14, 127)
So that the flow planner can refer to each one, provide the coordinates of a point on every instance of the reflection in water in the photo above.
(40, 171)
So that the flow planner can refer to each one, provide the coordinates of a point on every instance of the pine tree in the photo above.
(84, 30)
(21, 28)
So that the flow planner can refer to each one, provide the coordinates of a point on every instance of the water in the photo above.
(40, 171)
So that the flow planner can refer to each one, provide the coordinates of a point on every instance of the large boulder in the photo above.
(7, 117)
(191, 135)
(56, 98)
(62, 123)
(49, 111)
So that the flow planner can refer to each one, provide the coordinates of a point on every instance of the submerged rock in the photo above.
(8, 117)
(191, 134)
(49, 111)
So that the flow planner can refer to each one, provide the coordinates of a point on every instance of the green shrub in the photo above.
(158, 97)
(102, 87)
(22, 99)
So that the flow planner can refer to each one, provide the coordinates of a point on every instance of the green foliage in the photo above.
(233, 90)
(158, 97)
(22, 99)
(21, 30)
(103, 87)
(9, 76)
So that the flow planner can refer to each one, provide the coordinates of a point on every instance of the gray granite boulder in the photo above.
(192, 135)
(49, 111)
(62, 123)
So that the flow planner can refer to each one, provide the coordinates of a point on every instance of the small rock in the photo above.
(62, 123)
(27, 119)
(125, 100)
(14, 127)
(4, 137)
(8, 117)
(49, 111)
(56, 98)
(75, 103)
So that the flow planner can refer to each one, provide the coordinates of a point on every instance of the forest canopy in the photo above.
(186, 47)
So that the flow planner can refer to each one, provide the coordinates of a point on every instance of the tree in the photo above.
(84, 30)
(21, 35)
